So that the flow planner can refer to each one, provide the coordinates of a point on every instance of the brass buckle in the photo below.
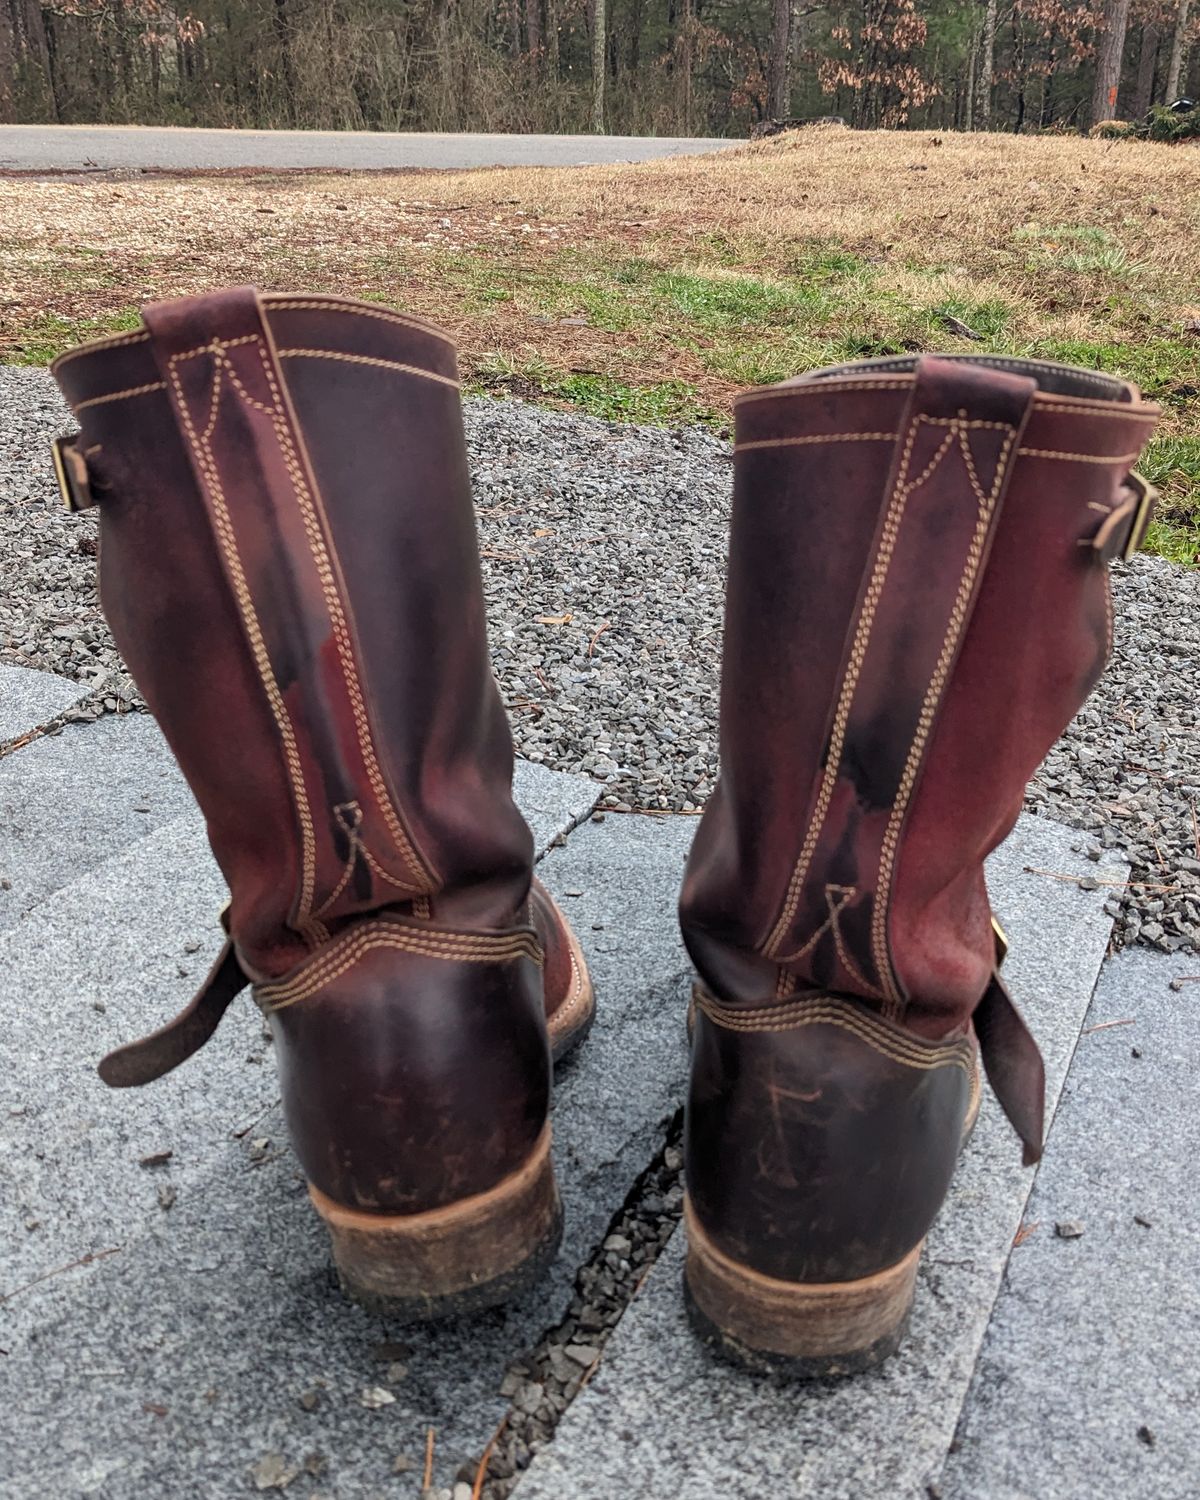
(1147, 499)
(71, 471)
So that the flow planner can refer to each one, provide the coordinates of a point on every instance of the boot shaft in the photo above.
(289, 565)
(918, 604)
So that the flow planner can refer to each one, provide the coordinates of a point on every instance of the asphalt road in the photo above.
(130, 147)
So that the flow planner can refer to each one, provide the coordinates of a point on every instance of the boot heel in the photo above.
(803, 1331)
(450, 1262)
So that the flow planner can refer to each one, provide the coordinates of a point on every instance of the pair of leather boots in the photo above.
(918, 603)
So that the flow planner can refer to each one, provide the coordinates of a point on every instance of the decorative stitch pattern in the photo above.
(227, 541)
(343, 954)
(309, 505)
(933, 694)
(826, 1010)
(887, 542)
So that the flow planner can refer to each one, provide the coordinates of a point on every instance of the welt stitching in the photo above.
(133, 390)
(933, 694)
(227, 541)
(320, 554)
(350, 305)
(858, 650)
(366, 359)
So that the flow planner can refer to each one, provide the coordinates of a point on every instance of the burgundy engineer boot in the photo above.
(918, 603)
(289, 565)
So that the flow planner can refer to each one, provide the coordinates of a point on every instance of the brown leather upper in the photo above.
(918, 603)
(289, 566)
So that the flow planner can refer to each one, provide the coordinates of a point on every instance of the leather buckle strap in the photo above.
(71, 471)
(143, 1061)
(1124, 528)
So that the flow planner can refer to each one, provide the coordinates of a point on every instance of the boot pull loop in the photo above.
(143, 1061)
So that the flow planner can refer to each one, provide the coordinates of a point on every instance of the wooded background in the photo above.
(677, 67)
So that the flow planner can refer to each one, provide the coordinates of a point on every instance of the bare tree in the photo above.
(1178, 41)
(1109, 52)
(987, 68)
(599, 63)
(779, 77)
(8, 64)
(1143, 92)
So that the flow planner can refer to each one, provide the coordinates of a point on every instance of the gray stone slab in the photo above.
(553, 801)
(29, 699)
(69, 801)
(222, 1310)
(1093, 1340)
(662, 1416)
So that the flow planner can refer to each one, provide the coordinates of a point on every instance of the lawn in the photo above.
(653, 292)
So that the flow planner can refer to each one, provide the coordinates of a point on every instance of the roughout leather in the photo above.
(289, 566)
(917, 606)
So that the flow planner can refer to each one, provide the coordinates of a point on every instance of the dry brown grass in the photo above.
(827, 243)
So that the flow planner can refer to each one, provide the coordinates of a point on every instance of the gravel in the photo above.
(603, 552)
(542, 1383)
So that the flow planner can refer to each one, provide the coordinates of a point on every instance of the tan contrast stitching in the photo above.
(97, 344)
(365, 310)
(134, 390)
(227, 541)
(1079, 458)
(776, 392)
(309, 505)
(858, 650)
(820, 437)
(933, 693)
(825, 1011)
(1085, 406)
(424, 943)
(365, 359)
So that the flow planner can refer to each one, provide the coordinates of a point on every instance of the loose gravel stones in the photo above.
(603, 555)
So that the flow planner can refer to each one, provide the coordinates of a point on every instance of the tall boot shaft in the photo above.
(289, 565)
(918, 604)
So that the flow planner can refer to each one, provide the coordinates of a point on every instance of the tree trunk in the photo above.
(533, 28)
(8, 65)
(1175, 66)
(1109, 52)
(599, 57)
(1143, 93)
(779, 80)
(987, 68)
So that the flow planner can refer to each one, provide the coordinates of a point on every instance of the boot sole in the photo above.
(573, 1019)
(799, 1330)
(450, 1262)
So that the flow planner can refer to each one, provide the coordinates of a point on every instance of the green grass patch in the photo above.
(43, 339)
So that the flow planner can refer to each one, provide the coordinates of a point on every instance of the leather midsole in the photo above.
(797, 1319)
